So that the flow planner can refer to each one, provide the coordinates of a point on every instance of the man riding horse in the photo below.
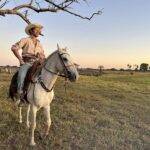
(40, 92)
(32, 51)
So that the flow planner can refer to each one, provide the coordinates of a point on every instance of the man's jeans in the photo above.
(21, 76)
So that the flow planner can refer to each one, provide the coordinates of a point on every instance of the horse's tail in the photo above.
(13, 87)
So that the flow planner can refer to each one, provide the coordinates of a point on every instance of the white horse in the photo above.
(40, 94)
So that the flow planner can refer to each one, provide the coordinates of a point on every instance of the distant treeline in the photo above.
(8, 69)
(144, 67)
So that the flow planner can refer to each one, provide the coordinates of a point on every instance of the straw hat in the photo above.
(30, 26)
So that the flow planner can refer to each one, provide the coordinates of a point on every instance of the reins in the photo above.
(65, 75)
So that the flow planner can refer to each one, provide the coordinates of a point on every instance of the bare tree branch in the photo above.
(49, 6)
(26, 11)
(3, 4)
(12, 12)
(34, 8)
(72, 13)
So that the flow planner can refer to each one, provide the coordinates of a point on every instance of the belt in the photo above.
(29, 59)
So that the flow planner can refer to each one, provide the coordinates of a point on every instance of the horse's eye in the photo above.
(65, 59)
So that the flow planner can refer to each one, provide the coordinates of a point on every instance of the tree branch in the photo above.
(49, 6)
(34, 8)
(3, 4)
(13, 12)
(72, 13)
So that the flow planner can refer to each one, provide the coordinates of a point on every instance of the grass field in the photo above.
(111, 112)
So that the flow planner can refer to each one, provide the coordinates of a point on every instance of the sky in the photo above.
(120, 36)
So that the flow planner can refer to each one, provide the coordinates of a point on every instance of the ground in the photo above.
(109, 112)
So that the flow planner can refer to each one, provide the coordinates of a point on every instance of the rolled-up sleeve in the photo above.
(19, 45)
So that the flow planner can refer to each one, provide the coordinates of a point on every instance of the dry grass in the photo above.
(109, 112)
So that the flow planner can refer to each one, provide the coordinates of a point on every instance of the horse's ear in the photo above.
(58, 48)
(65, 49)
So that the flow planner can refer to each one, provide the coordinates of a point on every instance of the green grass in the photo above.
(110, 112)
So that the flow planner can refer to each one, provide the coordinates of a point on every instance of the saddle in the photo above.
(30, 77)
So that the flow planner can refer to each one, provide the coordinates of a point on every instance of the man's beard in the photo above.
(35, 35)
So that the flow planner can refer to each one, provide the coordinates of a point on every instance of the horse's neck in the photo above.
(48, 77)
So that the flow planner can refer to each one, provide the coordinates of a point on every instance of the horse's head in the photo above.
(60, 63)
(66, 65)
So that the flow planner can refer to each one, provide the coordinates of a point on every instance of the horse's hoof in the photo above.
(17, 103)
(43, 136)
(28, 125)
(20, 122)
(32, 144)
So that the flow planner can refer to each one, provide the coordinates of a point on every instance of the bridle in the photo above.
(66, 71)
(66, 74)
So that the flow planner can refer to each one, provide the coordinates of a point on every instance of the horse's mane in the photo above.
(49, 56)
(52, 54)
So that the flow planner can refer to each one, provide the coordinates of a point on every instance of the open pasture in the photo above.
(109, 112)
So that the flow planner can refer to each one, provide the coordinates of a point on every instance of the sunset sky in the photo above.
(121, 35)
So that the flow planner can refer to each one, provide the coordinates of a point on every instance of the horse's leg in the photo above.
(20, 114)
(48, 119)
(17, 102)
(33, 124)
(28, 114)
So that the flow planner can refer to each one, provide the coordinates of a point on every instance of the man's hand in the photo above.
(21, 62)
(41, 57)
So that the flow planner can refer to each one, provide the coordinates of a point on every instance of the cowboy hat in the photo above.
(30, 26)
